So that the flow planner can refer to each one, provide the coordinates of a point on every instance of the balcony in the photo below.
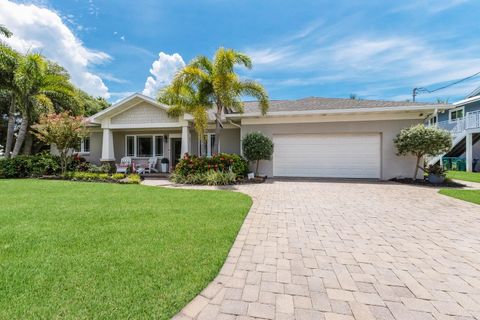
(458, 127)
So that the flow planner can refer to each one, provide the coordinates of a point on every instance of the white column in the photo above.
(185, 141)
(107, 146)
(469, 151)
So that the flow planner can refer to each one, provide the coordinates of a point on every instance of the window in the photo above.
(456, 114)
(145, 146)
(432, 121)
(84, 145)
(205, 147)
(159, 145)
(130, 148)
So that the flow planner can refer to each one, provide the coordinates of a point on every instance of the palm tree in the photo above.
(183, 98)
(217, 84)
(5, 32)
(41, 89)
(9, 60)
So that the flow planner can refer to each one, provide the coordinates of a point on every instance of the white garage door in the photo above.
(327, 155)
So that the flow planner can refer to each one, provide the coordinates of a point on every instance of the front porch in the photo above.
(142, 144)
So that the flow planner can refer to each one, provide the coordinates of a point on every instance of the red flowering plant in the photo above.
(62, 130)
(192, 164)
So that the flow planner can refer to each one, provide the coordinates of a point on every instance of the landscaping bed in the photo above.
(97, 250)
(419, 182)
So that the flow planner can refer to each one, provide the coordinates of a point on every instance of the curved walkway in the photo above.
(348, 250)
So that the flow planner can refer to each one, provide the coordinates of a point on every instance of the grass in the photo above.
(74, 250)
(465, 195)
(465, 176)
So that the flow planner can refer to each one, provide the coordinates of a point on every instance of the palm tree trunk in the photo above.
(21, 136)
(218, 127)
(10, 128)
(27, 148)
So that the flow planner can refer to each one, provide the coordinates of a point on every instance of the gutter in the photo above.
(340, 111)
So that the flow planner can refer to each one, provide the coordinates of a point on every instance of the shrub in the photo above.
(108, 168)
(211, 177)
(422, 141)
(256, 147)
(101, 177)
(215, 178)
(221, 162)
(134, 178)
(118, 176)
(29, 166)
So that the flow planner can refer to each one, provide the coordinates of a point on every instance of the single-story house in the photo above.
(313, 137)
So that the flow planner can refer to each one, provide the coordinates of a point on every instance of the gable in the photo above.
(142, 113)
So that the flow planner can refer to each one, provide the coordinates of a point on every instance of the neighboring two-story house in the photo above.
(463, 121)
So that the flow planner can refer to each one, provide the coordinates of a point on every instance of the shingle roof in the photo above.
(314, 103)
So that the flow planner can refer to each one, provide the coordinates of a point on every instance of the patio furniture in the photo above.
(124, 165)
(148, 167)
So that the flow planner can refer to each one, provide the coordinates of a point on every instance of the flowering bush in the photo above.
(191, 164)
(220, 169)
(62, 130)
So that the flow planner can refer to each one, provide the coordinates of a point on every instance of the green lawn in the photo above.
(465, 176)
(73, 250)
(466, 195)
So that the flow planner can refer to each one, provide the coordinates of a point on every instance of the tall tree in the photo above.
(9, 60)
(217, 84)
(41, 89)
(186, 98)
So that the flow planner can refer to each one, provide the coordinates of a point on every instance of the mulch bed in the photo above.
(254, 180)
(425, 183)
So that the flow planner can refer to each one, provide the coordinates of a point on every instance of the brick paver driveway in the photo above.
(346, 250)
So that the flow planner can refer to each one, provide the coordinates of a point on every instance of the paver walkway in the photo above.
(340, 250)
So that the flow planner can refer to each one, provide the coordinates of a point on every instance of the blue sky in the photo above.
(376, 49)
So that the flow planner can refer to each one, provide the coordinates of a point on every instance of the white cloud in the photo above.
(42, 30)
(162, 72)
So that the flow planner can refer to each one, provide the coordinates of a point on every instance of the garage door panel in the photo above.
(321, 155)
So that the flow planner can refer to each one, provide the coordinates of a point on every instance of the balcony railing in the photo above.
(471, 121)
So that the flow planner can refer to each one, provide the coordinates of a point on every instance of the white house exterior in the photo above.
(313, 137)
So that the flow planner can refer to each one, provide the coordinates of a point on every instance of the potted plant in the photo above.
(436, 174)
(164, 164)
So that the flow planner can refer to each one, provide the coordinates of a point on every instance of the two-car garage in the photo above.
(353, 155)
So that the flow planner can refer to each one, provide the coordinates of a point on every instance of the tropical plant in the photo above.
(420, 141)
(192, 164)
(9, 60)
(43, 87)
(205, 83)
(256, 147)
(62, 130)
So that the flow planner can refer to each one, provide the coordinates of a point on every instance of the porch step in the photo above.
(159, 175)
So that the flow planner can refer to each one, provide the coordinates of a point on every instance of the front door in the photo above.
(176, 150)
